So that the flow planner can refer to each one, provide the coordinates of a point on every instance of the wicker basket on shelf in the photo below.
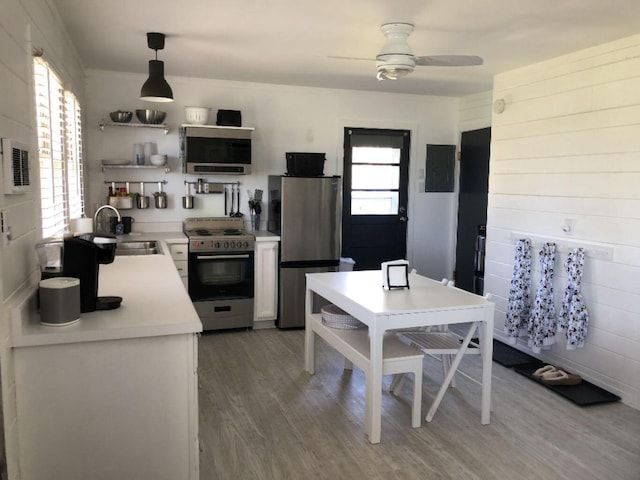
(335, 317)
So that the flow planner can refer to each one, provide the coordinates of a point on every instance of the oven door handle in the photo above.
(221, 257)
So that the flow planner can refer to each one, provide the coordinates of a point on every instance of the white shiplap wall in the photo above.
(21, 23)
(567, 147)
(475, 112)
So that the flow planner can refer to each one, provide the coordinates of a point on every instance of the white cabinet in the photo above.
(180, 256)
(266, 281)
(110, 409)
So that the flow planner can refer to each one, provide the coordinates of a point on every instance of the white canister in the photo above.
(59, 301)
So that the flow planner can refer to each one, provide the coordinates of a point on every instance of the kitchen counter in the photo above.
(265, 236)
(154, 303)
(114, 395)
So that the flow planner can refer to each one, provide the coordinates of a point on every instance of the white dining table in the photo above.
(426, 302)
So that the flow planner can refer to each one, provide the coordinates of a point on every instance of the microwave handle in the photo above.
(221, 257)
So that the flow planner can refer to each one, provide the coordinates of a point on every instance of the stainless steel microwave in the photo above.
(215, 150)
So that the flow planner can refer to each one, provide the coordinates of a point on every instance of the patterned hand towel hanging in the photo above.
(542, 322)
(519, 304)
(574, 317)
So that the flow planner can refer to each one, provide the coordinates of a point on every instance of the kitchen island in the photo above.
(114, 395)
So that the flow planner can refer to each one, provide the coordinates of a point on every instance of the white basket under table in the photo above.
(335, 317)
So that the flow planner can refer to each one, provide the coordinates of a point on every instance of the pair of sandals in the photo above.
(551, 375)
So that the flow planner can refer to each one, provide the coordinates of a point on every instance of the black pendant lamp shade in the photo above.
(156, 88)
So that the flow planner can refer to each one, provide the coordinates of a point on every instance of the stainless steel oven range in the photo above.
(221, 271)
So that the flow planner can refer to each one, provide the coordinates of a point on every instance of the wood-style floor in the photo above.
(263, 417)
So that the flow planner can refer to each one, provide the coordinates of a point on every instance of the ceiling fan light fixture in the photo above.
(394, 66)
(156, 88)
(396, 60)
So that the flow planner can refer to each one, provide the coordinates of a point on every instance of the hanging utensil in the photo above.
(238, 213)
(231, 211)
(187, 200)
(142, 201)
(160, 197)
(226, 191)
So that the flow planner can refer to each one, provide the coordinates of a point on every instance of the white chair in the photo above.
(443, 345)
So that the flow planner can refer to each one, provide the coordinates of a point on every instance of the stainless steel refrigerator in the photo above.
(306, 213)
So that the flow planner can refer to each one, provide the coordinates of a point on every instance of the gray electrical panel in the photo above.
(440, 168)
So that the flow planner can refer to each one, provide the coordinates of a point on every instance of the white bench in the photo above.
(354, 346)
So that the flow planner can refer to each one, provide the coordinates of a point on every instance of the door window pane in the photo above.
(375, 155)
(376, 177)
(374, 203)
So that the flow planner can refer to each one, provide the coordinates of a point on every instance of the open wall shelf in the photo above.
(161, 126)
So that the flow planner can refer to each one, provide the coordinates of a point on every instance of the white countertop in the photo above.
(154, 303)
(265, 236)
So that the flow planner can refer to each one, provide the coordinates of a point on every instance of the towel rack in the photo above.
(564, 245)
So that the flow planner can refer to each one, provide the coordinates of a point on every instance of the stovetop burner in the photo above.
(217, 234)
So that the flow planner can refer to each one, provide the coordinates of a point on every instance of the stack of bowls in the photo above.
(158, 160)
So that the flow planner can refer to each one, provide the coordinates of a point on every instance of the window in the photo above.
(59, 149)
(375, 179)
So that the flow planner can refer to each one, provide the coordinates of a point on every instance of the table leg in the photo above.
(486, 338)
(374, 384)
(309, 338)
(309, 350)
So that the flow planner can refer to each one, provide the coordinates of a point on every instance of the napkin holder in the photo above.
(395, 274)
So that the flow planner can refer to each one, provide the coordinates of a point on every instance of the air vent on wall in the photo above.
(15, 164)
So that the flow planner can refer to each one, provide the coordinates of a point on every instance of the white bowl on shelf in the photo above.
(158, 160)
(197, 115)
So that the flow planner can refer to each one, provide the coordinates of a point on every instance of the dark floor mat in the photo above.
(511, 357)
(583, 394)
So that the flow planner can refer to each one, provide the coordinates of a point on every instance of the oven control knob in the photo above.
(217, 245)
(226, 244)
(245, 244)
(233, 244)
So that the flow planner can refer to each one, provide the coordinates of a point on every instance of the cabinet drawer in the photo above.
(182, 267)
(179, 251)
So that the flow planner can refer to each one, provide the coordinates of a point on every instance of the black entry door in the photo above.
(472, 201)
(374, 215)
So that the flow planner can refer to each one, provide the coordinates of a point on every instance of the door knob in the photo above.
(402, 211)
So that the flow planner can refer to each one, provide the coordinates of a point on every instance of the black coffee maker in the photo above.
(80, 257)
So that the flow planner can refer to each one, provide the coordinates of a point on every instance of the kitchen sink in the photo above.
(149, 247)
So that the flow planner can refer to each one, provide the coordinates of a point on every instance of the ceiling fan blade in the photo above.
(335, 57)
(449, 61)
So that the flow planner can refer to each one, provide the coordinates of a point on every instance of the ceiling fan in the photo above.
(397, 60)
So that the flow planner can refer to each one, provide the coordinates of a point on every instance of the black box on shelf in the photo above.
(229, 118)
(302, 164)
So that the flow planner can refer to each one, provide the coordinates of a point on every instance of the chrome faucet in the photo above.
(95, 216)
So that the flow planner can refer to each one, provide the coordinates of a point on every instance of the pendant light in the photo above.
(156, 88)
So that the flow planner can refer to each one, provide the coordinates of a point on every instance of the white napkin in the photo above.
(395, 273)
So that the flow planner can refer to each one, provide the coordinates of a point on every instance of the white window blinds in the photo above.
(59, 149)
(73, 156)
